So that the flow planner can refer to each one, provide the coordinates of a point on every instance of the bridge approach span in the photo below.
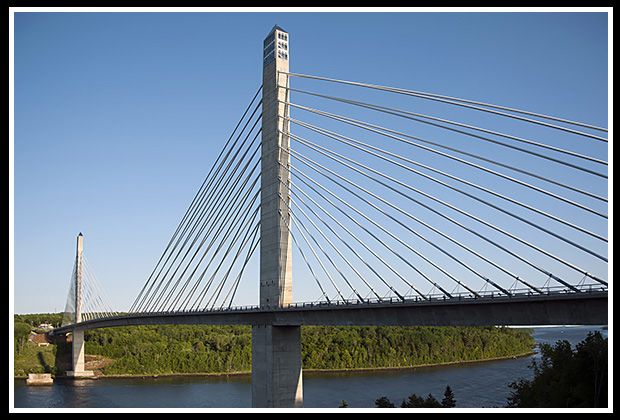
(584, 308)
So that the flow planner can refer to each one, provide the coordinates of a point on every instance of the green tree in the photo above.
(414, 401)
(448, 398)
(565, 377)
(384, 402)
(21, 331)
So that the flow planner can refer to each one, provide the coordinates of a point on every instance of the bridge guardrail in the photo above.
(392, 300)
(515, 294)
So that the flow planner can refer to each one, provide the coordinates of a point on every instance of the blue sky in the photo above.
(119, 116)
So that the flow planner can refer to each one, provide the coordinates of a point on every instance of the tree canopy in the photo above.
(213, 349)
(566, 377)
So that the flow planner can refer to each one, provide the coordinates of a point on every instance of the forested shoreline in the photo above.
(203, 349)
(228, 349)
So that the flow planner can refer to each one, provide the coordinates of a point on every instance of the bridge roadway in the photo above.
(553, 308)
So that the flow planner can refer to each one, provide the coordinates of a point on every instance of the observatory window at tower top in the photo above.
(270, 46)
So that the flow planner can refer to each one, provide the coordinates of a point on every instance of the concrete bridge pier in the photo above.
(276, 366)
(77, 359)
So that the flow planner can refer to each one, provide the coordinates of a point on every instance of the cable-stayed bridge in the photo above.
(399, 207)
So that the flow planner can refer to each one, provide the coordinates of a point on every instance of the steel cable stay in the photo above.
(234, 150)
(191, 222)
(411, 286)
(93, 306)
(323, 171)
(336, 249)
(251, 250)
(482, 168)
(214, 221)
(242, 226)
(326, 254)
(361, 242)
(225, 151)
(208, 211)
(408, 228)
(303, 255)
(68, 316)
(349, 264)
(364, 146)
(174, 305)
(298, 222)
(100, 302)
(304, 178)
(224, 184)
(331, 155)
(354, 252)
(221, 184)
(94, 302)
(226, 226)
(230, 266)
(187, 301)
(246, 237)
(237, 214)
(90, 299)
(240, 221)
(219, 223)
(394, 134)
(341, 255)
(206, 257)
(218, 213)
(469, 104)
(515, 277)
(214, 197)
(211, 176)
(368, 249)
(201, 209)
(357, 145)
(411, 116)
(90, 302)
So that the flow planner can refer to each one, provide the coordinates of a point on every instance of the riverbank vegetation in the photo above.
(227, 349)
(203, 349)
(563, 378)
(566, 376)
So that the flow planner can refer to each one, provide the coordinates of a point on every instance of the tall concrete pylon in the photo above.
(276, 349)
(77, 339)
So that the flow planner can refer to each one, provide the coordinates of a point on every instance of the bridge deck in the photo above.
(584, 308)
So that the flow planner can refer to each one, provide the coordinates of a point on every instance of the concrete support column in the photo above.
(77, 360)
(276, 350)
(77, 339)
(276, 288)
(276, 366)
(78, 278)
(78, 350)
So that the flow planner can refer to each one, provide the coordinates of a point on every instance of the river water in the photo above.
(476, 385)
